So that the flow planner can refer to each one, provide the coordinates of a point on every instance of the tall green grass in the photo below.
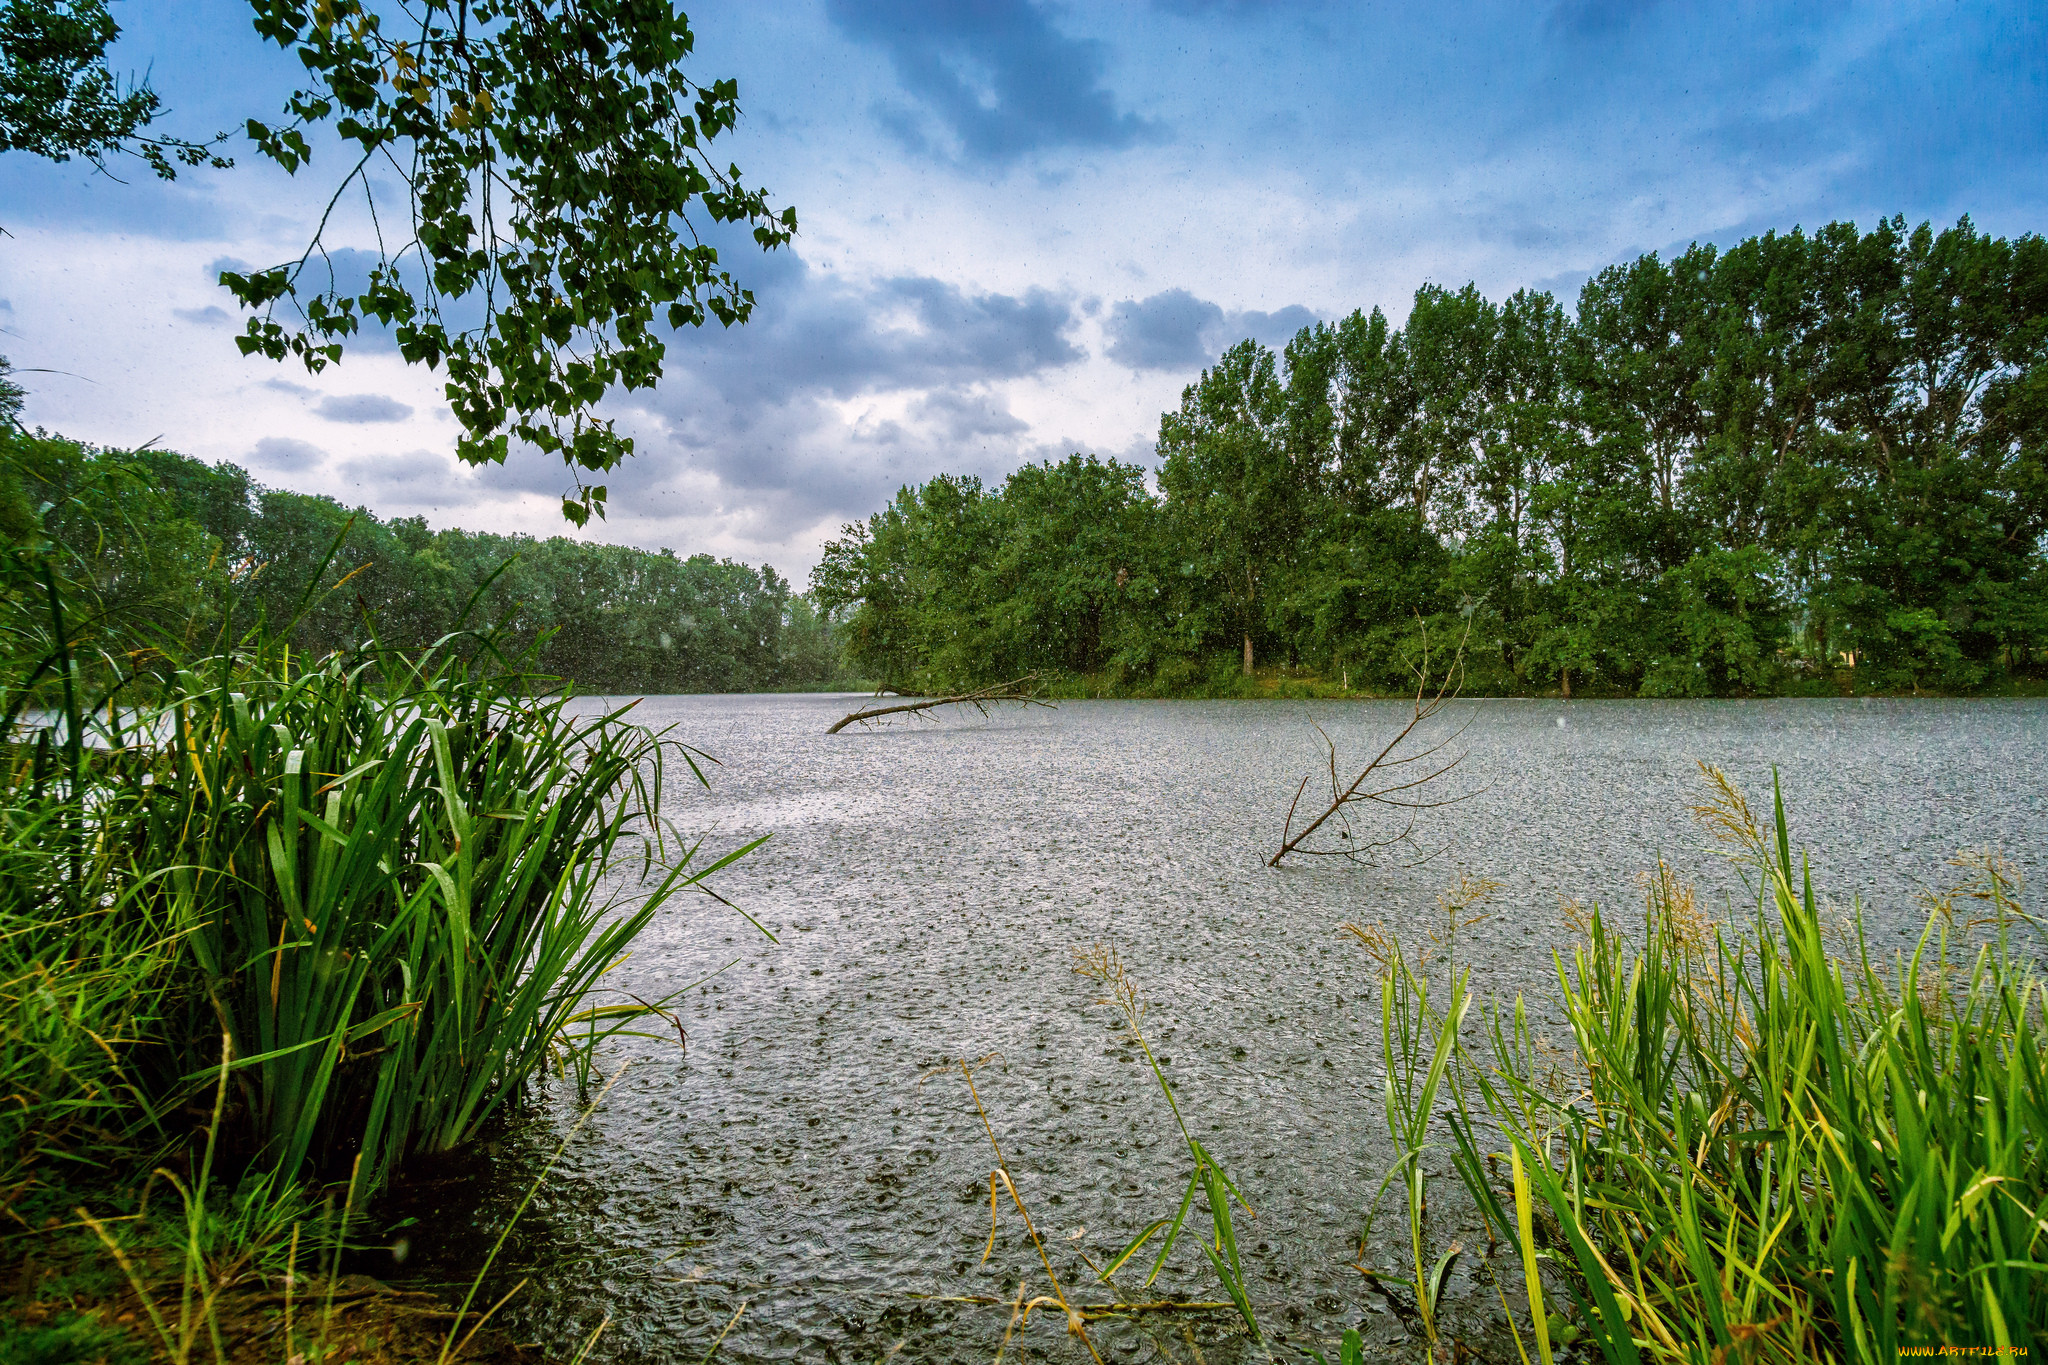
(394, 884)
(391, 878)
(1769, 1143)
(85, 969)
(85, 981)
(1102, 965)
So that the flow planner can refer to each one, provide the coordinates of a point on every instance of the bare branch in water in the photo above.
(1024, 689)
(1402, 774)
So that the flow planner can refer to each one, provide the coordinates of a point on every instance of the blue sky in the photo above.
(1026, 226)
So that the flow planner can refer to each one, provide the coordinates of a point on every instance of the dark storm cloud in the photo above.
(1174, 330)
(835, 393)
(362, 407)
(996, 77)
(773, 471)
(286, 453)
(1275, 329)
(811, 333)
(963, 417)
(815, 334)
(418, 476)
(985, 335)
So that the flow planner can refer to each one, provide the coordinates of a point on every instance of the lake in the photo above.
(809, 1156)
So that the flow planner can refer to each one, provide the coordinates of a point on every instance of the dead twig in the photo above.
(1024, 689)
(999, 1180)
(1398, 775)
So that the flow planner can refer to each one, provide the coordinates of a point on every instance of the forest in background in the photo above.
(176, 544)
(1802, 464)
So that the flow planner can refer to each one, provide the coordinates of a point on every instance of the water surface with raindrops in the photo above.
(809, 1178)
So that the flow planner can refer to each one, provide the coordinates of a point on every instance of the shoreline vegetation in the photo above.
(1743, 472)
(223, 552)
(1767, 1140)
(1226, 682)
(309, 867)
(1764, 1140)
(275, 922)
(1278, 684)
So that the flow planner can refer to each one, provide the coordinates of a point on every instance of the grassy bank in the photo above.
(1765, 1142)
(271, 927)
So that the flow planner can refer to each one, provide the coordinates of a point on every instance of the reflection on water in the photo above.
(929, 881)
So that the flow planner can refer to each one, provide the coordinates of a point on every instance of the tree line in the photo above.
(173, 544)
(1805, 462)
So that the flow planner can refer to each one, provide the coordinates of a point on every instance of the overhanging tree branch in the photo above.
(59, 100)
(553, 157)
(1024, 689)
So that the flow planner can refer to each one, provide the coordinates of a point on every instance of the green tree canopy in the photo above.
(1805, 462)
(1236, 485)
(155, 548)
(553, 167)
(59, 100)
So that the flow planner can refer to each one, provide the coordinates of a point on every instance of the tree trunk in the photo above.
(1247, 654)
(1565, 675)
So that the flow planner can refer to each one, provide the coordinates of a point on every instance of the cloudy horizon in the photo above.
(1024, 227)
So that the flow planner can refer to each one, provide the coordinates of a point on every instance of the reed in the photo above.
(1207, 1177)
(1763, 1146)
(342, 911)
(391, 876)
(1420, 1041)
(190, 1277)
(78, 993)
(396, 883)
(1000, 1182)
(87, 967)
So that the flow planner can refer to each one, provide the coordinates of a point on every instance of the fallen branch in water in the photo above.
(1380, 783)
(1024, 689)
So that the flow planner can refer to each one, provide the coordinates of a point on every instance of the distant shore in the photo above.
(1289, 685)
